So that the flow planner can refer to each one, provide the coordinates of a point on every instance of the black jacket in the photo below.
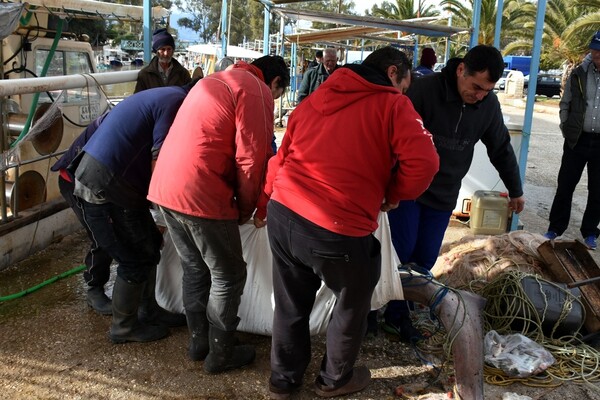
(456, 128)
(572, 126)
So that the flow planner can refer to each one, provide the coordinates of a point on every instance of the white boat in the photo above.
(56, 97)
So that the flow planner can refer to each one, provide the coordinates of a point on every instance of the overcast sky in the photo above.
(362, 5)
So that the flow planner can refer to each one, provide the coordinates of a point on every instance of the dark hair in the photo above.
(272, 67)
(319, 53)
(428, 57)
(387, 56)
(484, 58)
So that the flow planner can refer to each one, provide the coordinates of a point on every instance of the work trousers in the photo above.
(417, 234)
(585, 152)
(304, 255)
(97, 260)
(214, 270)
(128, 235)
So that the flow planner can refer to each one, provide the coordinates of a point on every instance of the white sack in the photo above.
(256, 308)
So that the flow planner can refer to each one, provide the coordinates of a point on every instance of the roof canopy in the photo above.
(383, 24)
(232, 51)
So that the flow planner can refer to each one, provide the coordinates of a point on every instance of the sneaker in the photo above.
(591, 242)
(361, 377)
(550, 235)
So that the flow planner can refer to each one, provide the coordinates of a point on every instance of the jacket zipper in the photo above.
(459, 118)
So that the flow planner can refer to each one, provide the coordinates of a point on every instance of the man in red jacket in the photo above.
(327, 185)
(207, 180)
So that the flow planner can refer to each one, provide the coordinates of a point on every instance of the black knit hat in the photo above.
(161, 38)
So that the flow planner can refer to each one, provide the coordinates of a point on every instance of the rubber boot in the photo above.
(198, 327)
(153, 314)
(98, 300)
(125, 324)
(224, 354)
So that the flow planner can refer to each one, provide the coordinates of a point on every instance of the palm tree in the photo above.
(513, 17)
(403, 9)
(568, 27)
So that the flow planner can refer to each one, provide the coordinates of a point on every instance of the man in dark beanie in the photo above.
(163, 69)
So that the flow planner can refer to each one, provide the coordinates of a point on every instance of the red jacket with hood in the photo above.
(213, 161)
(352, 143)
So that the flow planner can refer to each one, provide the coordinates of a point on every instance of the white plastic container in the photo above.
(489, 212)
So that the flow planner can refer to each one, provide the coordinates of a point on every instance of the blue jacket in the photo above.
(77, 145)
(128, 139)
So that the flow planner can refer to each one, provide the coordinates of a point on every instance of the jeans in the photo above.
(128, 235)
(304, 255)
(97, 260)
(214, 270)
(417, 234)
(585, 152)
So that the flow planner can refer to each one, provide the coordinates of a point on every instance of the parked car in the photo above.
(500, 85)
(547, 85)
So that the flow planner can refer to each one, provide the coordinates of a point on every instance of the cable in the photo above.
(44, 283)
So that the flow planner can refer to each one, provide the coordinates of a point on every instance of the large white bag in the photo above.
(256, 308)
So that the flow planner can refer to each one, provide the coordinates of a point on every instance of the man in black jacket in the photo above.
(459, 109)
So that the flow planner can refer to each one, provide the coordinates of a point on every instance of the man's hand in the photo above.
(259, 223)
(517, 204)
(385, 207)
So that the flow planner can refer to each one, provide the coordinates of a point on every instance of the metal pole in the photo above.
(476, 22)
(224, 28)
(498, 24)
(267, 27)
(147, 30)
(528, 120)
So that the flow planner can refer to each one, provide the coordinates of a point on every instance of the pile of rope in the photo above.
(494, 267)
(473, 261)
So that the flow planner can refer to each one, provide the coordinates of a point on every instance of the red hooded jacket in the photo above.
(336, 164)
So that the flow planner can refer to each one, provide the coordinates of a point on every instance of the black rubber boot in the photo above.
(153, 314)
(125, 324)
(198, 327)
(98, 300)
(224, 354)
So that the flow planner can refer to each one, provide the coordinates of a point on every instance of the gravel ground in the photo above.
(52, 346)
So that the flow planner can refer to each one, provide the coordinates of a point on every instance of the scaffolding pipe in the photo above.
(11, 87)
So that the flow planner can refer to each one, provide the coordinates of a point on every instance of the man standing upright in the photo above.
(163, 69)
(206, 182)
(580, 126)
(459, 108)
(353, 148)
(317, 75)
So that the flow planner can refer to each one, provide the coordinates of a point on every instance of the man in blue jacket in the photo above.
(97, 260)
(112, 175)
